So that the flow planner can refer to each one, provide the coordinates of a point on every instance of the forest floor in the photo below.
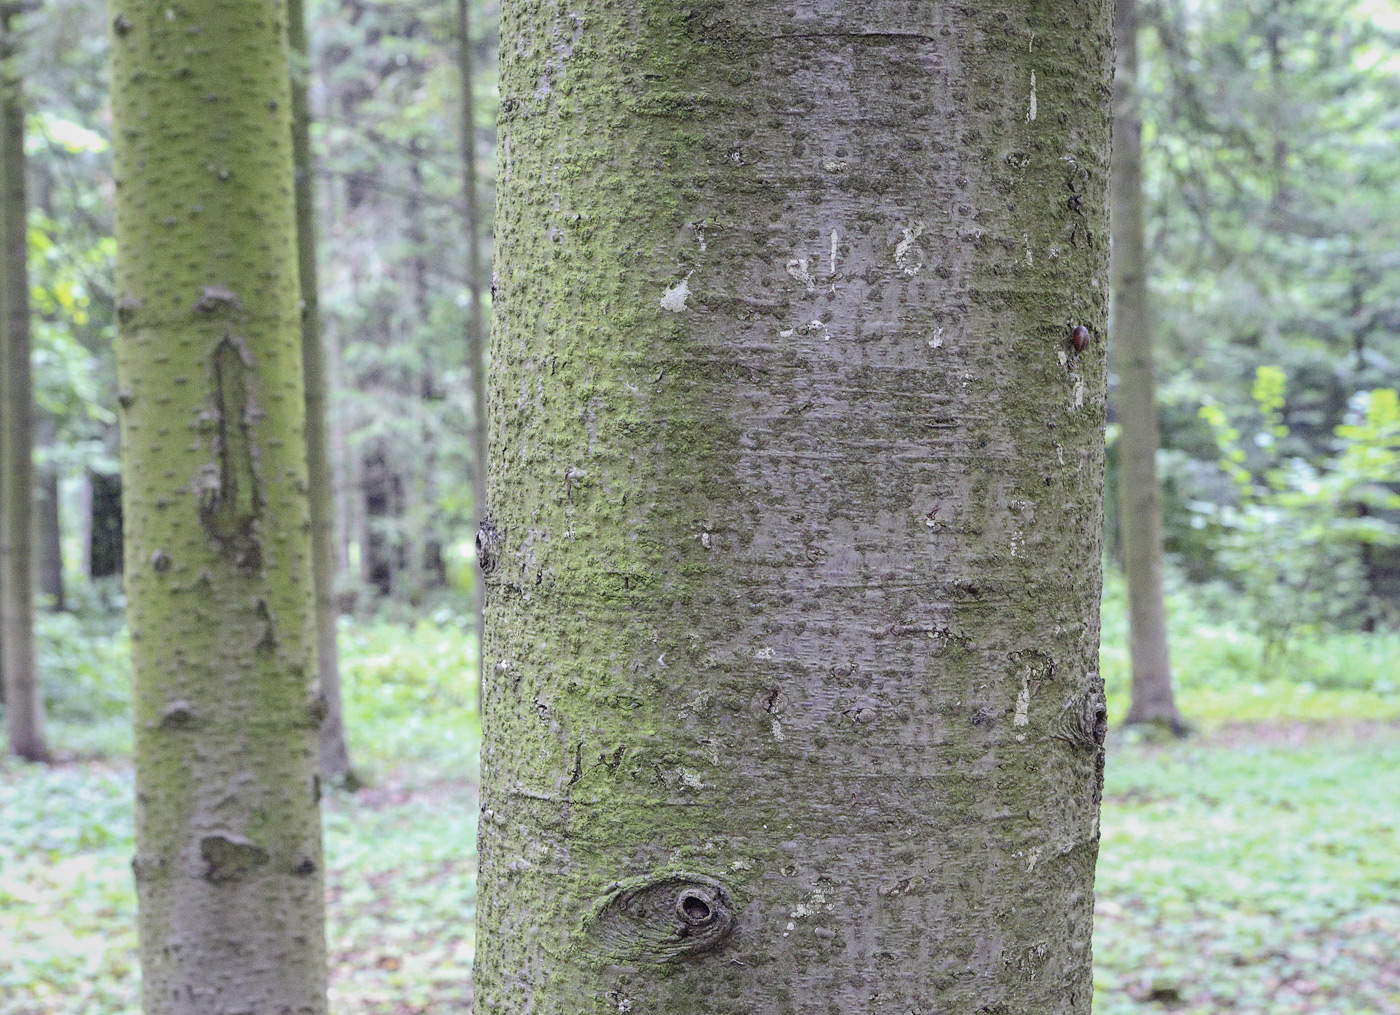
(1251, 868)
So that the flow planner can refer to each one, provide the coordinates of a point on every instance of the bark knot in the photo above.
(658, 918)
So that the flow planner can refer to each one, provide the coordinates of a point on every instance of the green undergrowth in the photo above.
(1252, 872)
(1224, 675)
(1248, 869)
(401, 864)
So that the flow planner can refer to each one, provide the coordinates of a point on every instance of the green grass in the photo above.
(1251, 869)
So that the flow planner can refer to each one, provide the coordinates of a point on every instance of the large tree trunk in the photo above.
(219, 559)
(24, 703)
(796, 478)
(1139, 498)
(476, 334)
(335, 752)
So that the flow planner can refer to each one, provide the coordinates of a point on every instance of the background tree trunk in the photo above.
(219, 561)
(104, 524)
(476, 333)
(24, 702)
(793, 701)
(48, 530)
(335, 752)
(1139, 498)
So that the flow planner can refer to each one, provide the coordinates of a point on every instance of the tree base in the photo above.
(1159, 726)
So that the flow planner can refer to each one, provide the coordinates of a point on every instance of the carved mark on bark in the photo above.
(658, 918)
(230, 500)
(230, 858)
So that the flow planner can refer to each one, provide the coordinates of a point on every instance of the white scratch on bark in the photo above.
(1023, 703)
(1030, 115)
(902, 248)
(673, 299)
(797, 268)
(936, 342)
(778, 733)
(833, 253)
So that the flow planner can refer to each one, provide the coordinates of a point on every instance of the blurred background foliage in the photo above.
(1271, 157)
(1272, 153)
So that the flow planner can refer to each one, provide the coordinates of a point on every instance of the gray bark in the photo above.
(1139, 498)
(24, 702)
(793, 703)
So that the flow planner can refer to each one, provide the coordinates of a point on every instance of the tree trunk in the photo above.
(104, 516)
(335, 752)
(1139, 497)
(339, 458)
(793, 702)
(24, 702)
(476, 334)
(48, 529)
(219, 559)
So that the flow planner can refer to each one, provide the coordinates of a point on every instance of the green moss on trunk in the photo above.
(793, 701)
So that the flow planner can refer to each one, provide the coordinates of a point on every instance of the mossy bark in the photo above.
(793, 700)
(218, 577)
(1139, 495)
(335, 750)
(24, 702)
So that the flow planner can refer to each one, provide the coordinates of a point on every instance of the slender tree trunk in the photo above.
(219, 578)
(412, 521)
(476, 333)
(793, 701)
(48, 529)
(339, 459)
(1139, 497)
(335, 752)
(24, 702)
